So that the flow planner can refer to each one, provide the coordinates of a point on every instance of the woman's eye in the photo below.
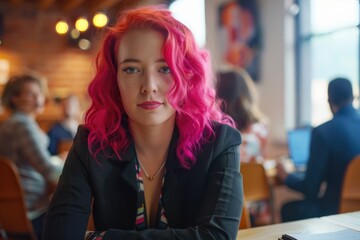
(165, 70)
(130, 70)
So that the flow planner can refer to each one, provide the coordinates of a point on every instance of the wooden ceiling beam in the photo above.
(125, 4)
(96, 5)
(15, 2)
(45, 4)
(69, 5)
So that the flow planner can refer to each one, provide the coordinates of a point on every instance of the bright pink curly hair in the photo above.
(192, 95)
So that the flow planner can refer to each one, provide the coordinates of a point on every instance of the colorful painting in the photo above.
(240, 35)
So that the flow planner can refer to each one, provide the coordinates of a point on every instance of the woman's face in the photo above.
(144, 78)
(30, 100)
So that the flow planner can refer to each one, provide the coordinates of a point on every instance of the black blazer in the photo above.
(204, 202)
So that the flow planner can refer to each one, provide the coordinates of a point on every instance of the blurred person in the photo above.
(240, 101)
(66, 128)
(23, 142)
(333, 145)
(156, 158)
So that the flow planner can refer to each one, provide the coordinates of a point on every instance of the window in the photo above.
(192, 14)
(329, 48)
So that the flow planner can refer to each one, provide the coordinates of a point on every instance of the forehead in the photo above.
(29, 85)
(141, 42)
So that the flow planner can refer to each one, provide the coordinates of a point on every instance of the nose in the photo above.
(149, 84)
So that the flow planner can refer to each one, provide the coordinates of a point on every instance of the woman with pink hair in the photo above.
(156, 157)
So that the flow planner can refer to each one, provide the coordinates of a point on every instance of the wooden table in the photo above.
(309, 226)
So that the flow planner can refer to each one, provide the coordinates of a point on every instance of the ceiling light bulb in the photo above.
(100, 20)
(81, 24)
(61, 27)
(84, 44)
(75, 33)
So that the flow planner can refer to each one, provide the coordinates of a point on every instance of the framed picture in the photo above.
(240, 39)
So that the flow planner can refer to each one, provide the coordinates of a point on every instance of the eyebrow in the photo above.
(127, 60)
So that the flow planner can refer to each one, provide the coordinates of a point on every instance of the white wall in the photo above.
(277, 77)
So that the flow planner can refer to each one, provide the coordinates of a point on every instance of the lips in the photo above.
(150, 105)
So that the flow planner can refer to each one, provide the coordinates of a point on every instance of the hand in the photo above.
(282, 173)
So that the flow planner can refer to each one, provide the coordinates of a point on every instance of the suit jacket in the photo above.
(333, 145)
(203, 202)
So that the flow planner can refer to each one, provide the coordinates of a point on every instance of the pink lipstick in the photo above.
(150, 105)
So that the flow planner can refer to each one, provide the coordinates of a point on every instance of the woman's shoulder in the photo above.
(226, 134)
(81, 139)
(226, 140)
(19, 122)
(18, 117)
(82, 132)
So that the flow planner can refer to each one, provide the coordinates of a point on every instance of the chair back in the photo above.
(13, 217)
(255, 182)
(350, 195)
(245, 218)
(256, 185)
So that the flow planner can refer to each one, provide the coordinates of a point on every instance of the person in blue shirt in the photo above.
(67, 127)
(333, 145)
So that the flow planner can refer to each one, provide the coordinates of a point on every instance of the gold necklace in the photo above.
(156, 174)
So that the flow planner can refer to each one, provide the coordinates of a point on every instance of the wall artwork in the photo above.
(240, 35)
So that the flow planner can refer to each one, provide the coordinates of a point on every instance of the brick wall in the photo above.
(29, 41)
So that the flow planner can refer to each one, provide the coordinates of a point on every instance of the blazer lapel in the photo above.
(171, 188)
(126, 165)
(129, 172)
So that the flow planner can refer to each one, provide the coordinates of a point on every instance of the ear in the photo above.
(333, 108)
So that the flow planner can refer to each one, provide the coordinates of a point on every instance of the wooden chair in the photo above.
(13, 217)
(256, 185)
(245, 218)
(350, 194)
(91, 225)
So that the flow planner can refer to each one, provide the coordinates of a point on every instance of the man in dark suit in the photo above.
(333, 145)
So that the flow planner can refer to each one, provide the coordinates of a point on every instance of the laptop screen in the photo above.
(299, 145)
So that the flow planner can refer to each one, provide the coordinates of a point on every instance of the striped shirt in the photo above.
(141, 222)
(23, 142)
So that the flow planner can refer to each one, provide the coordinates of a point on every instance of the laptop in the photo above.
(299, 147)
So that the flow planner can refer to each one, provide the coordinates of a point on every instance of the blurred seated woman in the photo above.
(23, 142)
(240, 100)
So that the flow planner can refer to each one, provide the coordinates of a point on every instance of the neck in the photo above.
(152, 143)
(152, 139)
(29, 114)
